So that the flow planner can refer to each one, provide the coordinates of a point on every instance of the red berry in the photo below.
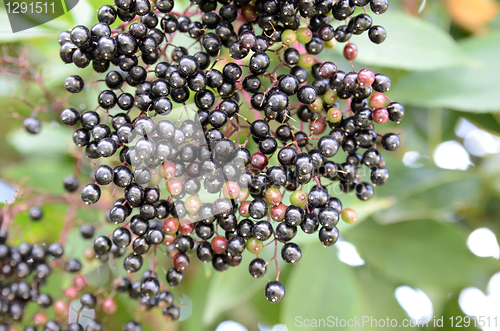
(273, 196)
(169, 240)
(71, 293)
(40, 319)
(186, 228)
(174, 186)
(244, 194)
(377, 100)
(249, 12)
(380, 115)
(181, 261)
(171, 225)
(278, 212)
(219, 244)
(366, 77)
(109, 306)
(318, 126)
(327, 70)
(60, 308)
(259, 161)
(350, 52)
(80, 282)
(243, 209)
(230, 190)
(169, 170)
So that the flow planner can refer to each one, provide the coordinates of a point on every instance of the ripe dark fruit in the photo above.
(377, 34)
(259, 128)
(90, 194)
(32, 125)
(390, 141)
(35, 213)
(291, 253)
(74, 84)
(275, 291)
(257, 268)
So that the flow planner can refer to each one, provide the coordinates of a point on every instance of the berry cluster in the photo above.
(222, 196)
(24, 271)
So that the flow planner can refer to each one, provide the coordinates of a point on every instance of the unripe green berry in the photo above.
(317, 105)
(288, 37)
(306, 61)
(334, 115)
(330, 44)
(298, 198)
(304, 35)
(254, 246)
(330, 97)
(349, 215)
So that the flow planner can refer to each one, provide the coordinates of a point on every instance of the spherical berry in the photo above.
(275, 291)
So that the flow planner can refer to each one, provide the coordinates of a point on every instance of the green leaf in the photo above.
(46, 174)
(51, 141)
(436, 192)
(377, 297)
(319, 286)
(470, 89)
(488, 122)
(227, 290)
(420, 253)
(412, 44)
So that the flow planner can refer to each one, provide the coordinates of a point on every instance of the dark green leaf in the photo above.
(49, 142)
(470, 88)
(227, 290)
(319, 286)
(412, 44)
(46, 174)
(420, 253)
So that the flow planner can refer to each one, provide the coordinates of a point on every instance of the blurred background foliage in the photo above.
(425, 246)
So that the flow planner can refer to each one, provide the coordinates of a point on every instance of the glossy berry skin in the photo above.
(35, 213)
(90, 194)
(132, 263)
(262, 230)
(382, 83)
(350, 52)
(396, 112)
(328, 237)
(291, 253)
(102, 245)
(74, 84)
(259, 161)
(390, 141)
(219, 244)
(224, 149)
(259, 62)
(257, 268)
(258, 209)
(377, 34)
(275, 291)
(254, 245)
(294, 215)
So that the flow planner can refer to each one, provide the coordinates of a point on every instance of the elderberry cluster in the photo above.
(223, 197)
(24, 271)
